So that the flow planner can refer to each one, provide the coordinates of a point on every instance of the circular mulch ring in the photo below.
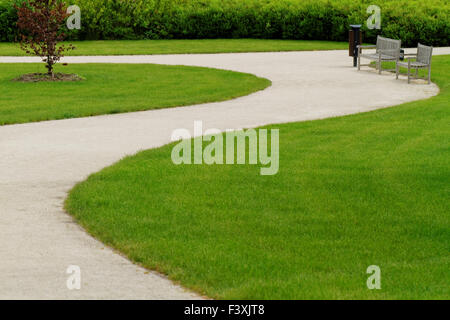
(44, 77)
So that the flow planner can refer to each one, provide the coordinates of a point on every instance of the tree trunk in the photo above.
(49, 67)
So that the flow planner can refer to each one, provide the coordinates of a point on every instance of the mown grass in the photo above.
(360, 190)
(139, 47)
(115, 88)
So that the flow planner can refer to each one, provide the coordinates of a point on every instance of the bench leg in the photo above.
(379, 65)
(359, 62)
(409, 71)
(397, 70)
(429, 74)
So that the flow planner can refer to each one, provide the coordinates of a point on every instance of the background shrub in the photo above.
(8, 19)
(410, 20)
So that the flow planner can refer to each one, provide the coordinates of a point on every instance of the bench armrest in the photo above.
(360, 47)
(367, 46)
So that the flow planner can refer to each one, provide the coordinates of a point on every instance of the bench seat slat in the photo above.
(413, 64)
(376, 57)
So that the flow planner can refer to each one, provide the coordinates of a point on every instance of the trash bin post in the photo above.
(402, 54)
(356, 37)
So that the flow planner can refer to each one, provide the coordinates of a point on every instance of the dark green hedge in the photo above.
(410, 20)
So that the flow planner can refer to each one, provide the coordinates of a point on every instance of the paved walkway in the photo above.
(40, 163)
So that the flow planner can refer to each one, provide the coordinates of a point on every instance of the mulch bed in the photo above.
(44, 77)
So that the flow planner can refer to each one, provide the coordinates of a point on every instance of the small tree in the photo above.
(41, 24)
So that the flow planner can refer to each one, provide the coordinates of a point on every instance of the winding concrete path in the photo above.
(40, 163)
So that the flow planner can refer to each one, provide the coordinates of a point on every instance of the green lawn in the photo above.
(115, 88)
(354, 191)
(134, 47)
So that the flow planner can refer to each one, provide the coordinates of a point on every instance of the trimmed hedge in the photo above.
(8, 20)
(410, 20)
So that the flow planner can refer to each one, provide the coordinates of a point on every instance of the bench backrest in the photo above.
(389, 46)
(424, 54)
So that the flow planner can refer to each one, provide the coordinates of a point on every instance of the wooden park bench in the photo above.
(386, 50)
(423, 61)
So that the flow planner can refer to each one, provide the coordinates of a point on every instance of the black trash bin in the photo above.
(354, 39)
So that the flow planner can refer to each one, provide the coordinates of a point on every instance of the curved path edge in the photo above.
(41, 162)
